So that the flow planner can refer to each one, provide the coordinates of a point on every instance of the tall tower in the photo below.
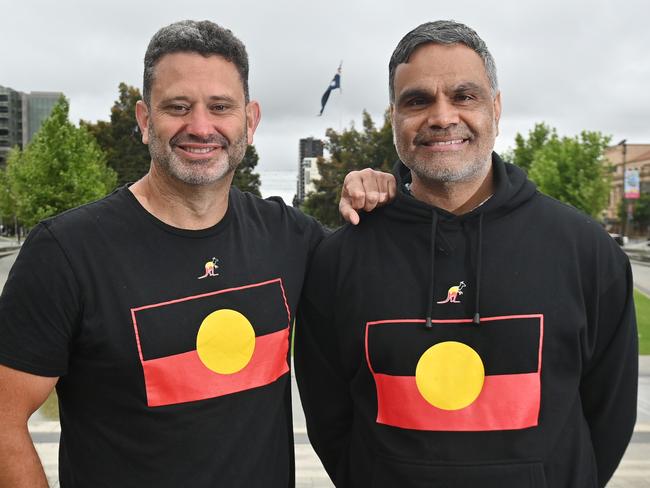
(37, 106)
(308, 148)
(11, 121)
(21, 116)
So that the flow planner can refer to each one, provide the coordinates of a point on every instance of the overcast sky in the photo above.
(573, 64)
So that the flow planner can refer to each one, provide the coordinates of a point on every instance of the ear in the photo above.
(253, 115)
(142, 116)
(497, 111)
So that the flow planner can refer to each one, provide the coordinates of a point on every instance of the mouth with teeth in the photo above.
(436, 144)
(192, 148)
(198, 150)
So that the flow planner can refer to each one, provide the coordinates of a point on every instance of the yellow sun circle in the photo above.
(450, 375)
(225, 341)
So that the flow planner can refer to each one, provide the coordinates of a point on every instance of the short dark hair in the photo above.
(202, 37)
(441, 32)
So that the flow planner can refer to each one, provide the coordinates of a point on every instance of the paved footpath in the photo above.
(634, 471)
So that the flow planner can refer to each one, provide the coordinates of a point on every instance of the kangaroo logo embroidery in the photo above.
(453, 293)
(210, 268)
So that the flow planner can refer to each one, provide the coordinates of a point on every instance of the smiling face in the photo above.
(198, 123)
(445, 118)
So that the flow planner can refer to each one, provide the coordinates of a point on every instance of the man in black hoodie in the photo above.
(475, 332)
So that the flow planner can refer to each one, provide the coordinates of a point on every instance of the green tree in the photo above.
(120, 138)
(245, 177)
(640, 217)
(349, 150)
(7, 197)
(642, 210)
(61, 168)
(525, 148)
(574, 170)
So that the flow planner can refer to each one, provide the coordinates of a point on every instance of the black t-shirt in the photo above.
(172, 346)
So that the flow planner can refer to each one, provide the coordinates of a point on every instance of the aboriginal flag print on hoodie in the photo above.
(457, 376)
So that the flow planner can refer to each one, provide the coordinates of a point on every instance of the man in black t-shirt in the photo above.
(170, 372)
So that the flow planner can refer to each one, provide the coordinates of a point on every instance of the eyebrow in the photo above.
(414, 93)
(213, 98)
(462, 87)
(468, 86)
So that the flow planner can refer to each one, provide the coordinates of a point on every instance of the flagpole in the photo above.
(341, 102)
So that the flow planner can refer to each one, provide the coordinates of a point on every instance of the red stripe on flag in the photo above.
(184, 378)
(506, 402)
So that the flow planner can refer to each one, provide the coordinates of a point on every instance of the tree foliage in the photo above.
(61, 168)
(349, 150)
(639, 220)
(245, 177)
(525, 148)
(120, 139)
(571, 169)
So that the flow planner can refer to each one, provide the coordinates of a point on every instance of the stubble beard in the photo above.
(443, 167)
(197, 172)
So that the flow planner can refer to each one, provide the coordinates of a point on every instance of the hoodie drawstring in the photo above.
(479, 256)
(434, 225)
(479, 259)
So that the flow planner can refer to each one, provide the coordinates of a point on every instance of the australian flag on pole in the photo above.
(334, 84)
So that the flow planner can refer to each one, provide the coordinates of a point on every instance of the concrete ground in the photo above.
(634, 471)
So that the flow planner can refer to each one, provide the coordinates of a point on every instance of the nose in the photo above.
(442, 114)
(200, 123)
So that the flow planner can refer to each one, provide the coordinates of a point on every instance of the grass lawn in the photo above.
(50, 409)
(642, 304)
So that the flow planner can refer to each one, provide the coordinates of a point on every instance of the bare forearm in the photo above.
(20, 466)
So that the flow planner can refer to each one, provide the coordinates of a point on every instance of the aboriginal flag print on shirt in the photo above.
(457, 376)
(213, 344)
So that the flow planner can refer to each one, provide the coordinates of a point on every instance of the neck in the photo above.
(454, 197)
(191, 207)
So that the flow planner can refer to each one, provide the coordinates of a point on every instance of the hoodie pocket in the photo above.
(390, 473)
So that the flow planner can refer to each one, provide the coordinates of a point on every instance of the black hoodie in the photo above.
(496, 349)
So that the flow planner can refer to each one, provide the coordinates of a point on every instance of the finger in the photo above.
(392, 187)
(389, 188)
(371, 180)
(348, 213)
(353, 190)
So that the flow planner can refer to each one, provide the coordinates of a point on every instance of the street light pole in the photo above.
(623, 144)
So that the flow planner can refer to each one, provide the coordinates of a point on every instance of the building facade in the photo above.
(625, 157)
(310, 174)
(21, 116)
(308, 147)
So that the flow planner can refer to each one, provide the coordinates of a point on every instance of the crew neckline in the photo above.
(198, 233)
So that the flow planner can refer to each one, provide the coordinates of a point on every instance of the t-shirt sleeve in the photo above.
(311, 231)
(39, 308)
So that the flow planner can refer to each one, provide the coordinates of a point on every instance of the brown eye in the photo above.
(178, 109)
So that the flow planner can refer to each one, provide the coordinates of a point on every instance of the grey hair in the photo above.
(441, 32)
(202, 37)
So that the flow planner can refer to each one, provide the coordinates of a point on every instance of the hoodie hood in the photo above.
(511, 189)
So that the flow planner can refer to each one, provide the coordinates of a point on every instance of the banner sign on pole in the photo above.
(632, 184)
